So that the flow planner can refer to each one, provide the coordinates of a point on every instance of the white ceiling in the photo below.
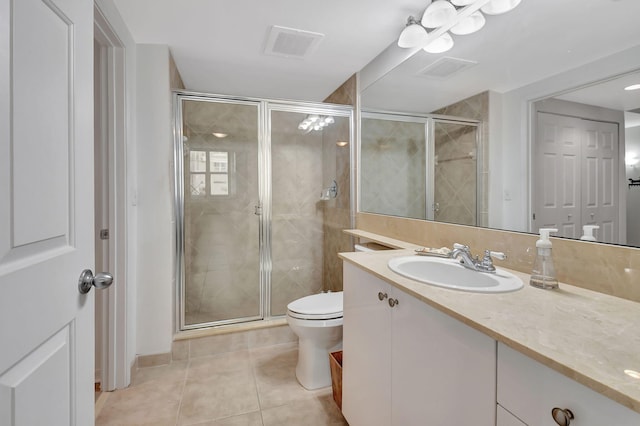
(538, 39)
(218, 45)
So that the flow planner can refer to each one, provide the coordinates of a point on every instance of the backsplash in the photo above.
(608, 269)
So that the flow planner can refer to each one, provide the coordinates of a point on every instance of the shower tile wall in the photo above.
(455, 173)
(393, 180)
(476, 108)
(297, 215)
(335, 150)
(221, 232)
(336, 165)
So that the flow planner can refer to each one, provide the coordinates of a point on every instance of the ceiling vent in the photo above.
(445, 68)
(291, 43)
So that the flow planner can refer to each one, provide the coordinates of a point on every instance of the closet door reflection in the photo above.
(221, 229)
(455, 173)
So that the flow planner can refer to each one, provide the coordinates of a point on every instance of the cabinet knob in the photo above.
(382, 295)
(561, 416)
(393, 302)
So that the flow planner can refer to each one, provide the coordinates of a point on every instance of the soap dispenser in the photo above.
(543, 274)
(587, 232)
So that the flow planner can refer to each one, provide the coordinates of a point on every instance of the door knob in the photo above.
(382, 295)
(562, 417)
(393, 302)
(87, 280)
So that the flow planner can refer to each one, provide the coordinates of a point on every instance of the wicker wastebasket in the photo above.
(335, 362)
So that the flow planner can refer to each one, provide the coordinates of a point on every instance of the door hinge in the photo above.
(104, 234)
(534, 216)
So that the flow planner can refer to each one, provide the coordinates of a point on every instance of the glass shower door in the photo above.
(221, 230)
(307, 157)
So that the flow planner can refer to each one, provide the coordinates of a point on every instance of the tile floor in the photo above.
(250, 387)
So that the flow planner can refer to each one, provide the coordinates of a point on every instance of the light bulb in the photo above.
(440, 45)
(497, 7)
(413, 35)
(438, 13)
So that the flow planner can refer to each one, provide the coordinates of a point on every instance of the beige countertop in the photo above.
(588, 336)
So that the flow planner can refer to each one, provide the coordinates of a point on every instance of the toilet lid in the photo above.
(317, 306)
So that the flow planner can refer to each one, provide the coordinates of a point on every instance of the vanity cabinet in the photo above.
(531, 391)
(505, 418)
(406, 363)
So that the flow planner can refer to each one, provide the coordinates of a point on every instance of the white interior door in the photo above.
(557, 183)
(600, 179)
(578, 182)
(46, 212)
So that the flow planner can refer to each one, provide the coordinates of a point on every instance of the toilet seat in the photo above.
(321, 306)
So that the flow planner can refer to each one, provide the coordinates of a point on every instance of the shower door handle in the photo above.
(258, 210)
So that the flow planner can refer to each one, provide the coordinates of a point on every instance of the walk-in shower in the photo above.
(258, 224)
(423, 167)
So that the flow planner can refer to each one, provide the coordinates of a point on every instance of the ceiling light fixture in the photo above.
(469, 25)
(498, 7)
(220, 135)
(438, 14)
(315, 122)
(460, 17)
(633, 87)
(413, 35)
(440, 45)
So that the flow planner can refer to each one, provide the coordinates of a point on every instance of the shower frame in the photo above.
(264, 109)
(429, 121)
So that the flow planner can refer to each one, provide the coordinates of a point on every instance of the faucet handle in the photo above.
(458, 246)
(487, 261)
(495, 254)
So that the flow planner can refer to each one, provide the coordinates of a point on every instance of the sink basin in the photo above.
(450, 274)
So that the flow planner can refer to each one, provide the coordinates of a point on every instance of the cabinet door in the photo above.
(505, 418)
(366, 373)
(531, 390)
(443, 371)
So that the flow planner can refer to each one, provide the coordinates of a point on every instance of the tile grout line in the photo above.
(255, 382)
(184, 385)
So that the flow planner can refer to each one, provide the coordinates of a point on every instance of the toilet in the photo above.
(317, 321)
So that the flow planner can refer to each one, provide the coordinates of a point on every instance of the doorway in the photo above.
(112, 366)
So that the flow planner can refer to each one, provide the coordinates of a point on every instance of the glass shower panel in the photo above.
(221, 230)
(393, 167)
(455, 172)
(306, 158)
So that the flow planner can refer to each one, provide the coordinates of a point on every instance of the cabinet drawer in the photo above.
(505, 418)
(531, 390)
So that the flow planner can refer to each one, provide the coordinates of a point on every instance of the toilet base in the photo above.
(313, 370)
(314, 345)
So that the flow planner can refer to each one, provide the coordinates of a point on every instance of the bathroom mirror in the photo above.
(545, 83)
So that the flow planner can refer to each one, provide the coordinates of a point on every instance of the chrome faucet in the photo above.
(468, 261)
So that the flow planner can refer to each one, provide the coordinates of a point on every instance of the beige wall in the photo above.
(613, 270)
(175, 79)
(336, 165)
(346, 94)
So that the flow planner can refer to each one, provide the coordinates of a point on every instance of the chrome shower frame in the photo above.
(264, 108)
